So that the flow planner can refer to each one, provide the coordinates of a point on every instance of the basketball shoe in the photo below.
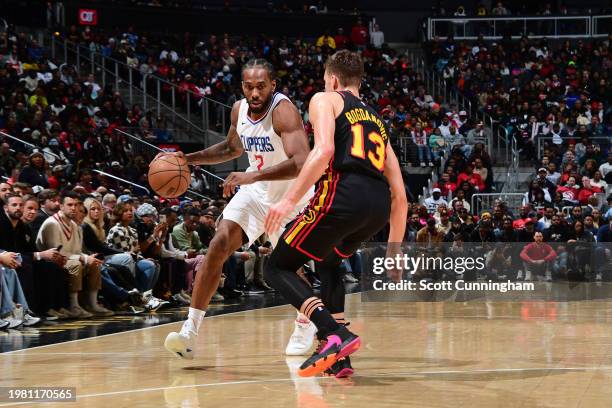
(182, 343)
(342, 368)
(338, 344)
(302, 338)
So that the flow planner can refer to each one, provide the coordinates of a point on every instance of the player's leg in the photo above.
(228, 238)
(280, 274)
(332, 295)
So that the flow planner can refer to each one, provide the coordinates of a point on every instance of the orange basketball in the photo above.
(169, 176)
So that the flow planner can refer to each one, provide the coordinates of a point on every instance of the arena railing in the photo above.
(494, 28)
(437, 86)
(486, 201)
(151, 91)
(541, 138)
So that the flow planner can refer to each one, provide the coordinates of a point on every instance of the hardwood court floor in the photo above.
(475, 354)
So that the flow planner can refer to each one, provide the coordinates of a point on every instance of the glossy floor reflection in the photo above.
(48, 333)
(476, 354)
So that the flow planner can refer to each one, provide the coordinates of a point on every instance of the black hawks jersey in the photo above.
(360, 139)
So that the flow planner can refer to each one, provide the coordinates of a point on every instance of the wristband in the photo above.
(37, 256)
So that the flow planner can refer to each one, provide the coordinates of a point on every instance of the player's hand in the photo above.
(278, 212)
(178, 154)
(393, 250)
(234, 180)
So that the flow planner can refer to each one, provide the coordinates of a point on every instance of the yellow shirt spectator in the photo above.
(326, 40)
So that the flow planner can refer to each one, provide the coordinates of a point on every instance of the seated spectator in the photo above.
(419, 138)
(61, 230)
(30, 209)
(35, 173)
(472, 178)
(118, 283)
(14, 307)
(430, 234)
(124, 239)
(446, 186)
(189, 261)
(537, 257)
(49, 201)
(598, 181)
(587, 191)
(432, 203)
(40, 273)
(570, 192)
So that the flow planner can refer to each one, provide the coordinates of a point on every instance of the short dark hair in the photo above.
(192, 212)
(9, 196)
(70, 194)
(168, 211)
(260, 63)
(347, 66)
(47, 194)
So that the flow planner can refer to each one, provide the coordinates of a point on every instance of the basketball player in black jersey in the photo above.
(359, 188)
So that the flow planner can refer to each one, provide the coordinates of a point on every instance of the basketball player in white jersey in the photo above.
(269, 128)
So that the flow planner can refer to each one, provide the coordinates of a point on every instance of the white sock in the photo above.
(193, 322)
(74, 299)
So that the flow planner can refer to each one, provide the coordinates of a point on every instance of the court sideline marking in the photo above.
(381, 375)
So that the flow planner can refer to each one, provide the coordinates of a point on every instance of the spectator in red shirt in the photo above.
(445, 185)
(536, 257)
(587, 191)
(473, 178)
(341, 39)
(359, 34)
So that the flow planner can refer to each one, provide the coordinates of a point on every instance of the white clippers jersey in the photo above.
(264, 149)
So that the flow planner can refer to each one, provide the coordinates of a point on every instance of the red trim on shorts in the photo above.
(341, 254)
(326, 206)
(308, 254)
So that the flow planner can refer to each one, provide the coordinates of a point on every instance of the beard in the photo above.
(16, 215)
(262, 108)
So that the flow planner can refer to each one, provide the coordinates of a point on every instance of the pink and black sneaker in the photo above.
(341, 368)
(338, 344)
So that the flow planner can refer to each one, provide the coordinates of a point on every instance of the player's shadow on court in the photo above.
(382, 379)
(418, 361)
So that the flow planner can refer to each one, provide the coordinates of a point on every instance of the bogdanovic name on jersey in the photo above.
(260, 144)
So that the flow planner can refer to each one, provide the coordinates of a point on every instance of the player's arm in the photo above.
(231, 148)
(399, 202)
(288, 124)
(399, 210)
(323, 107)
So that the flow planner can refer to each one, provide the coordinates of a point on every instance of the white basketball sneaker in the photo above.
(182, 344)
(302, 339)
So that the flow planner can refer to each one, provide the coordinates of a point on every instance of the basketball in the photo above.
(169, 176)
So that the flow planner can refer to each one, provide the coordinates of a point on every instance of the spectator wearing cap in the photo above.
(57, 179)
(432, 203)
(35, 173)
(124, 238)
(206, 229)
(151, 235)
(537, 257)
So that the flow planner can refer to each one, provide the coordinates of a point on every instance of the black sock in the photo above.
(324, 321)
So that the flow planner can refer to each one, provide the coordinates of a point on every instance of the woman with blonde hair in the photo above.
(118, 284)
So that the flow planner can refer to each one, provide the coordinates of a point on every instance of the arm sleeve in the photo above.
(524, 253)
